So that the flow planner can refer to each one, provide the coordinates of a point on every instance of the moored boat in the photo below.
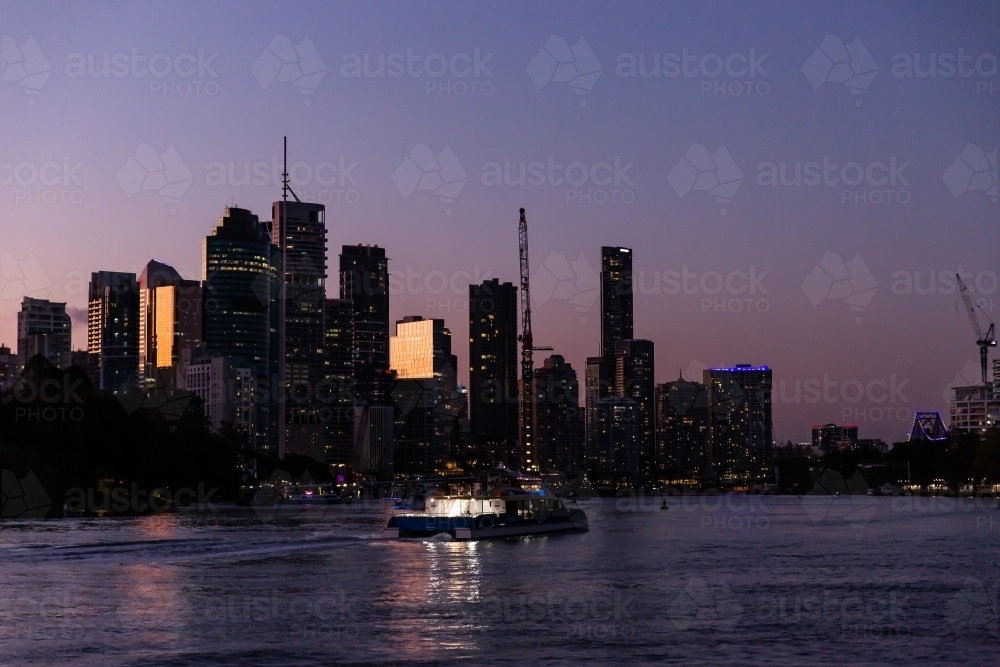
(506, 512)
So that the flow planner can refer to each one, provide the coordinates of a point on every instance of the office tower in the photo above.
(996, 376)
(558, 436)
(364, 280)
(44, 328)
(681, 431)
(827, 437)
(493, 369)
(617, 456)
(592, 391)
(226, 386)
(7, 362)
(420, 439)
(428, 405)
(170, 321)
(374, 441)
(740, 427)
(634, 364)
(616, 308)
(337, 395)
(113, 328)
(421, 348)
(240, 285)
(298, 229)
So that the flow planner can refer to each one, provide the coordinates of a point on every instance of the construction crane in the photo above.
(525, 436)
(985, 342)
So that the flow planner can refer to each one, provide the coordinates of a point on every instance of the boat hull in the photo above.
(481, 527)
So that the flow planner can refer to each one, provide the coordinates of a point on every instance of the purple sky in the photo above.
(531, 99)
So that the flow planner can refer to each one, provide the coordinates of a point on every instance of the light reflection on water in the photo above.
(726, 583)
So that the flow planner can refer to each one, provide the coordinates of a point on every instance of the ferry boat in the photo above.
(506, 512)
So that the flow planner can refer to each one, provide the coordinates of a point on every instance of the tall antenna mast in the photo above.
(282, 307)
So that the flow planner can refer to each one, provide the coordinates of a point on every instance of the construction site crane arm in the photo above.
(970, 308)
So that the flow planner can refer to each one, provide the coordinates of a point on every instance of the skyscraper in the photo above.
(170, 320)
(616, 325)
(364, 280)
(113, 328)
(682, 430)
(617, 456)
(634, 366)
(421, 348)
(44, 328)
(740, 427)
(616, 308)
(298, 229)
(425, 394)
(337, 394)
(558, 436)
(493, 368)
(240, 285)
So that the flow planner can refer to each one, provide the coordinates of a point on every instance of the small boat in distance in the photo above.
(505, 512)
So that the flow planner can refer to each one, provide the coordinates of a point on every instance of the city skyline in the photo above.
(900, 344)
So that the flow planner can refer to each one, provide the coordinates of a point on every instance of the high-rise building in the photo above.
(337, 394)
(617, 456)
(682, 431)
(740, 427)
(592, 391)
(44, 328)
(616, 308)
(493, 369)
(225, 385)
(558, 435)
(364, 280)
(240, 288)
(634, 365)
(426, 393)
(113, 328)
(996, 376)
(7, 362)
(170, 321)
(827, 437)
(421, 348)
(974, 409)
(374, 440)
(298, 229)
